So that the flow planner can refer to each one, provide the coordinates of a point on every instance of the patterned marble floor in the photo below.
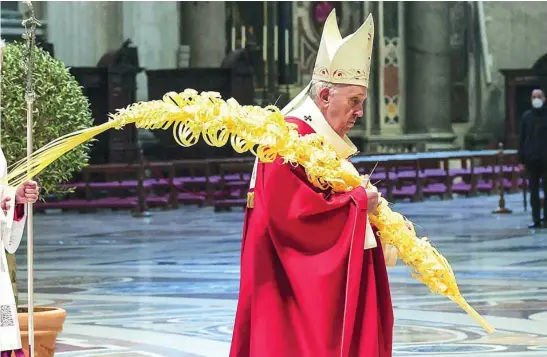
(167, 285)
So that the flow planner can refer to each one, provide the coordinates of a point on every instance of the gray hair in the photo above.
(541, 92)
(317, 85)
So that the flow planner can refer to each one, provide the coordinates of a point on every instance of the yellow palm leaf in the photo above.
(264, 132)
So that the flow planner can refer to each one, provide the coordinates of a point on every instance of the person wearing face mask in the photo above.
(532, 153)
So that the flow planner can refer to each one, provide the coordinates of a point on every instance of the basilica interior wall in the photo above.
(83, 31)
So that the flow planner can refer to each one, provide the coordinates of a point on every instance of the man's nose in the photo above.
(359, 112)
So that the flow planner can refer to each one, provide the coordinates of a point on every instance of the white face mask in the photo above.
(537, 103)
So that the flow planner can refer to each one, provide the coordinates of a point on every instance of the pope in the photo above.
(313, 272)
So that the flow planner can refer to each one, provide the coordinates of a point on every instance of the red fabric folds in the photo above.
(308, 288)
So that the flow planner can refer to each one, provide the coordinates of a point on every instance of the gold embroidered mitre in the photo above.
(344, 60)
(341, 60)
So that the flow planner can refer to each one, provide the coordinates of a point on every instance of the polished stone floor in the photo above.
(167, 285)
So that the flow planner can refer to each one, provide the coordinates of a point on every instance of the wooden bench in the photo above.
(111, 186)
(420, 175)
(235, 178)
(192, 182)
(224, 183)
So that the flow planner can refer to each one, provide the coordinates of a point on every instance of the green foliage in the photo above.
(60, 108)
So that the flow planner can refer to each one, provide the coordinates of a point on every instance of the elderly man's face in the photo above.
(342, 106)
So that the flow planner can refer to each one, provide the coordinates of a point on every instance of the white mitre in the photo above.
(341, 60)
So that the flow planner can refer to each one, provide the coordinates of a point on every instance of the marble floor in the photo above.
(167, 285)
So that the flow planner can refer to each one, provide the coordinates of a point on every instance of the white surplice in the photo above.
(11, 234)
(12, 231)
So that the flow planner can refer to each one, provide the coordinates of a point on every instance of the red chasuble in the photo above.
(308, 288)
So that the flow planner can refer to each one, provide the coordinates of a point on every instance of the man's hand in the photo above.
(373, 197)
(521, 167)
(27, 192)
(5, 205)
(390, 254)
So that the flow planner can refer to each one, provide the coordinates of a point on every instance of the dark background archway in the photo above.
(519, 84)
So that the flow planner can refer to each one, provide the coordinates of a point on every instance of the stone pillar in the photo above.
(480, 134)
(83, 31)
(204, 30)
(428, 85)
(153, 26)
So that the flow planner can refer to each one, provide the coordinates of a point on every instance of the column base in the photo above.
(477, 140)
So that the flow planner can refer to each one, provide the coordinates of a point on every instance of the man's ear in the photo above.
(324, 95)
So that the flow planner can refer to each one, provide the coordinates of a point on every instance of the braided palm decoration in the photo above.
(265, 133)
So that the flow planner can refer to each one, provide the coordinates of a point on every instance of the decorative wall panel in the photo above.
(391, 60)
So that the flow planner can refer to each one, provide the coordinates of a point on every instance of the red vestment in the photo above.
(308, 288)
(18, 212)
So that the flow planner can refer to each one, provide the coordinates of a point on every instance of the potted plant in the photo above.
(60, 108)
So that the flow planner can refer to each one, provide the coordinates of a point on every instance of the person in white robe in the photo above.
(12, 224)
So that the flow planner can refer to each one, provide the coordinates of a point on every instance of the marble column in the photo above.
(83, 31)
(428, 84)
(204, 30)
(480, 134)
(153, 26)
